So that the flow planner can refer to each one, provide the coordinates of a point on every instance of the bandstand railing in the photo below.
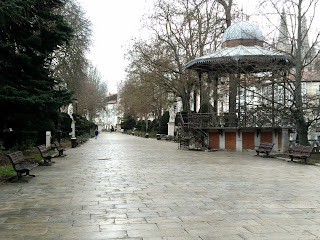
(231, 120)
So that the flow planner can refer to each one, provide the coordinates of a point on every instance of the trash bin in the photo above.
(73, 142)
(147, 135)
(158, 137)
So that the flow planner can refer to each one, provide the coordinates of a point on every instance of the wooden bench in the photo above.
(301, 152)
(162, 136)
(59, 148)
(45, 154)
(264, 147)
(21, 164)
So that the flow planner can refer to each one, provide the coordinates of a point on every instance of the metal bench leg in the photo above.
(28, 174)
(19, 174)
(49, 159)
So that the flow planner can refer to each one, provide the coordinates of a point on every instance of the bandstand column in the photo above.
(239, 141)
(285, 136)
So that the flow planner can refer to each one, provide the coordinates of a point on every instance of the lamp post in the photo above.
(59, 130)
(76, 102)
(59, 126)
(74, 138)
(85, 120)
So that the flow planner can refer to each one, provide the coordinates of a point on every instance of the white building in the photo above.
(112, 119)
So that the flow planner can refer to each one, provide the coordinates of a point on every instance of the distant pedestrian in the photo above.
(96, 132)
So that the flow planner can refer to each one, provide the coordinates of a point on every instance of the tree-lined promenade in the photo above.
(125, 187)
(44, 67)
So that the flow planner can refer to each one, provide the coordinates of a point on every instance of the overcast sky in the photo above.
(115, 23)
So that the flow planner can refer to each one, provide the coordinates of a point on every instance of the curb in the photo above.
(6, 180)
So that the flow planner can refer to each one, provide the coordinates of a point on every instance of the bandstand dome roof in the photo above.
(242, 30)
(242, 52)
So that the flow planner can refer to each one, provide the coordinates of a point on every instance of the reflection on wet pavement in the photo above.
(125, 187)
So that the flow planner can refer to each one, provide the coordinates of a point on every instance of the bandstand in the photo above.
(243, 86)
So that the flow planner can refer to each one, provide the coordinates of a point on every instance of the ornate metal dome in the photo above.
(242, 52)
(242, 30)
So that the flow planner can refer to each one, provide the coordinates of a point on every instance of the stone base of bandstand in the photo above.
(248, 139)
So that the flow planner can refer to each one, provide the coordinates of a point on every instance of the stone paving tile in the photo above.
(302, 228)
(182, 238)
(285, 222)
(112, 227)
(183, 225)
(163, 220)
(148, 190)
(266, 229)
(27, 219)
(280, 236)
(173, 232)
(6, 226)
(201, 218)
(224, 237)
(94, 235)
(216, 231)
(237, 223)
(130, 221)
(315, 232)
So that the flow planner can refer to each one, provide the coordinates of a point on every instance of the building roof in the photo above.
(112, 102)
(242, 52)
(242, 30)
(111, 99)
(307, 76)
(240, 59)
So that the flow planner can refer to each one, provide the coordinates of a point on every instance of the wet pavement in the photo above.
(125, 187)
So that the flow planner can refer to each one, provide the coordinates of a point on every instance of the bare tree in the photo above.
(304, 53)
(92, 92)
(182, 31)
(70, 63)
(141, 93)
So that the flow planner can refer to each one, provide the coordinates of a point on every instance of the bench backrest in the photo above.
(297, 149)
(307, 150)
(269, 146)
(42, 149)
(262, 146)
(266, 146)
(16, 157)
(57, 144)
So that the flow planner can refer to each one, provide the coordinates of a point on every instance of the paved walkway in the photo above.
(125, 187)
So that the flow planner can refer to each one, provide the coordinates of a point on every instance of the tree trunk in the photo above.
(195, 96)
(201, 90)
(302, 129)
(301, 125)
(232, 93)
(186, 103)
